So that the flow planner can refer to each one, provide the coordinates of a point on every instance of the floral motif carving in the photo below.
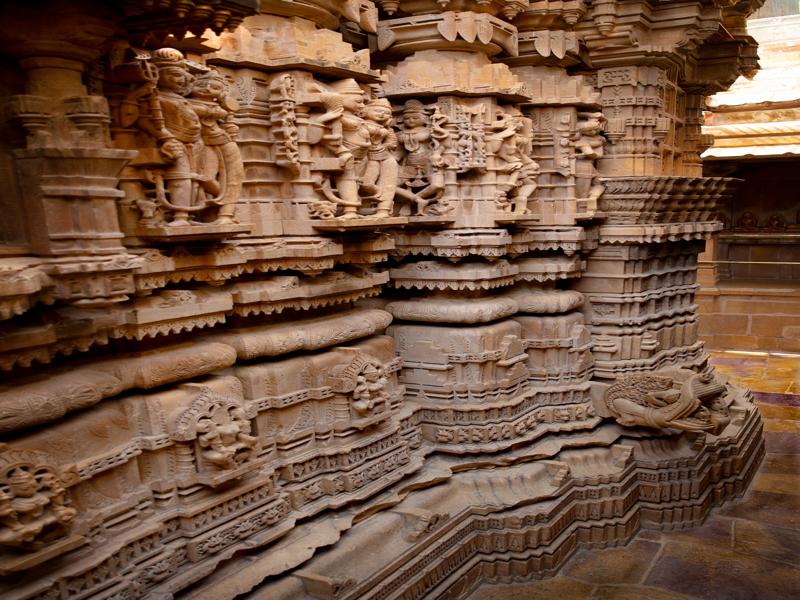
(282, 100)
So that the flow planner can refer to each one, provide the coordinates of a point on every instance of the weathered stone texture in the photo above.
(342, 299)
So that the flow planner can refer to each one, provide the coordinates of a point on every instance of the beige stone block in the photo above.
(724, 323)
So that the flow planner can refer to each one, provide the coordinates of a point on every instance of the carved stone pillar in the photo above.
(67, 169)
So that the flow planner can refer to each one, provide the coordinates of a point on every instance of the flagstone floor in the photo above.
(748, 549)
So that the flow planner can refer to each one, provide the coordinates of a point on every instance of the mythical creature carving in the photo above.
(189, 163)
(34, 507)
(669, 399)
(221, 427)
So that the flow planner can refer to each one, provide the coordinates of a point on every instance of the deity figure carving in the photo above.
(34, 508)
(421, 143)
(776, 222)
(221, 160)
(669, 399)
(349, 139)
(382, 169)
(363, 380)
(588, 143)
(195, 167)
(370, 387)
(517, 171)
(222, 428)
(359, 132)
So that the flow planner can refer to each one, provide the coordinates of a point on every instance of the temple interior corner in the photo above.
(399, 299)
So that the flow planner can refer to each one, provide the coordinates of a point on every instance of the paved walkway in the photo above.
(747, 550)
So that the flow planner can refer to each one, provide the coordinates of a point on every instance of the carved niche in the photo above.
(34, 503)
(363, 380)
(216, 432)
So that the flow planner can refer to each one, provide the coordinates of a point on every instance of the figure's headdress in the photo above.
(413, 107)
(347, 87)
(168, 57)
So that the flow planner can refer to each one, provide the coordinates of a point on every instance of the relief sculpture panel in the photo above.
(353, 299)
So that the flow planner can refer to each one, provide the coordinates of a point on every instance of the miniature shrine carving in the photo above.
(221, 428)
(34, 507)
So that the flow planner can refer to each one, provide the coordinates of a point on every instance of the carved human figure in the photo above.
(511, 145)
(350, 140)
(588, 144)
(220, 159)
(776, 222)
(747, 222)
(224, 437)
(382, 170)
(422, 162)
(30, 504)
(197, 168)
(370, 387)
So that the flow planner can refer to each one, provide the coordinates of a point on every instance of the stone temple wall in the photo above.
(342, 299)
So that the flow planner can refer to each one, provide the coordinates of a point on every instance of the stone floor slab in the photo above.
(627, 564)
(714, 573)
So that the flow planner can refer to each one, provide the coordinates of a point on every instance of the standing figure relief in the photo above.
(359, 132)
(516, 170)
(189, 170)
(588, 143)
(422, 139)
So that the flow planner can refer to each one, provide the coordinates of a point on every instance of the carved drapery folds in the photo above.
(409, 271)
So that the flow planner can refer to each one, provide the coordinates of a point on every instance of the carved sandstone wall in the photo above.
(335, 299)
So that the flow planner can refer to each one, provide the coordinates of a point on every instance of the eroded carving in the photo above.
(671, 398)
(34, 504)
